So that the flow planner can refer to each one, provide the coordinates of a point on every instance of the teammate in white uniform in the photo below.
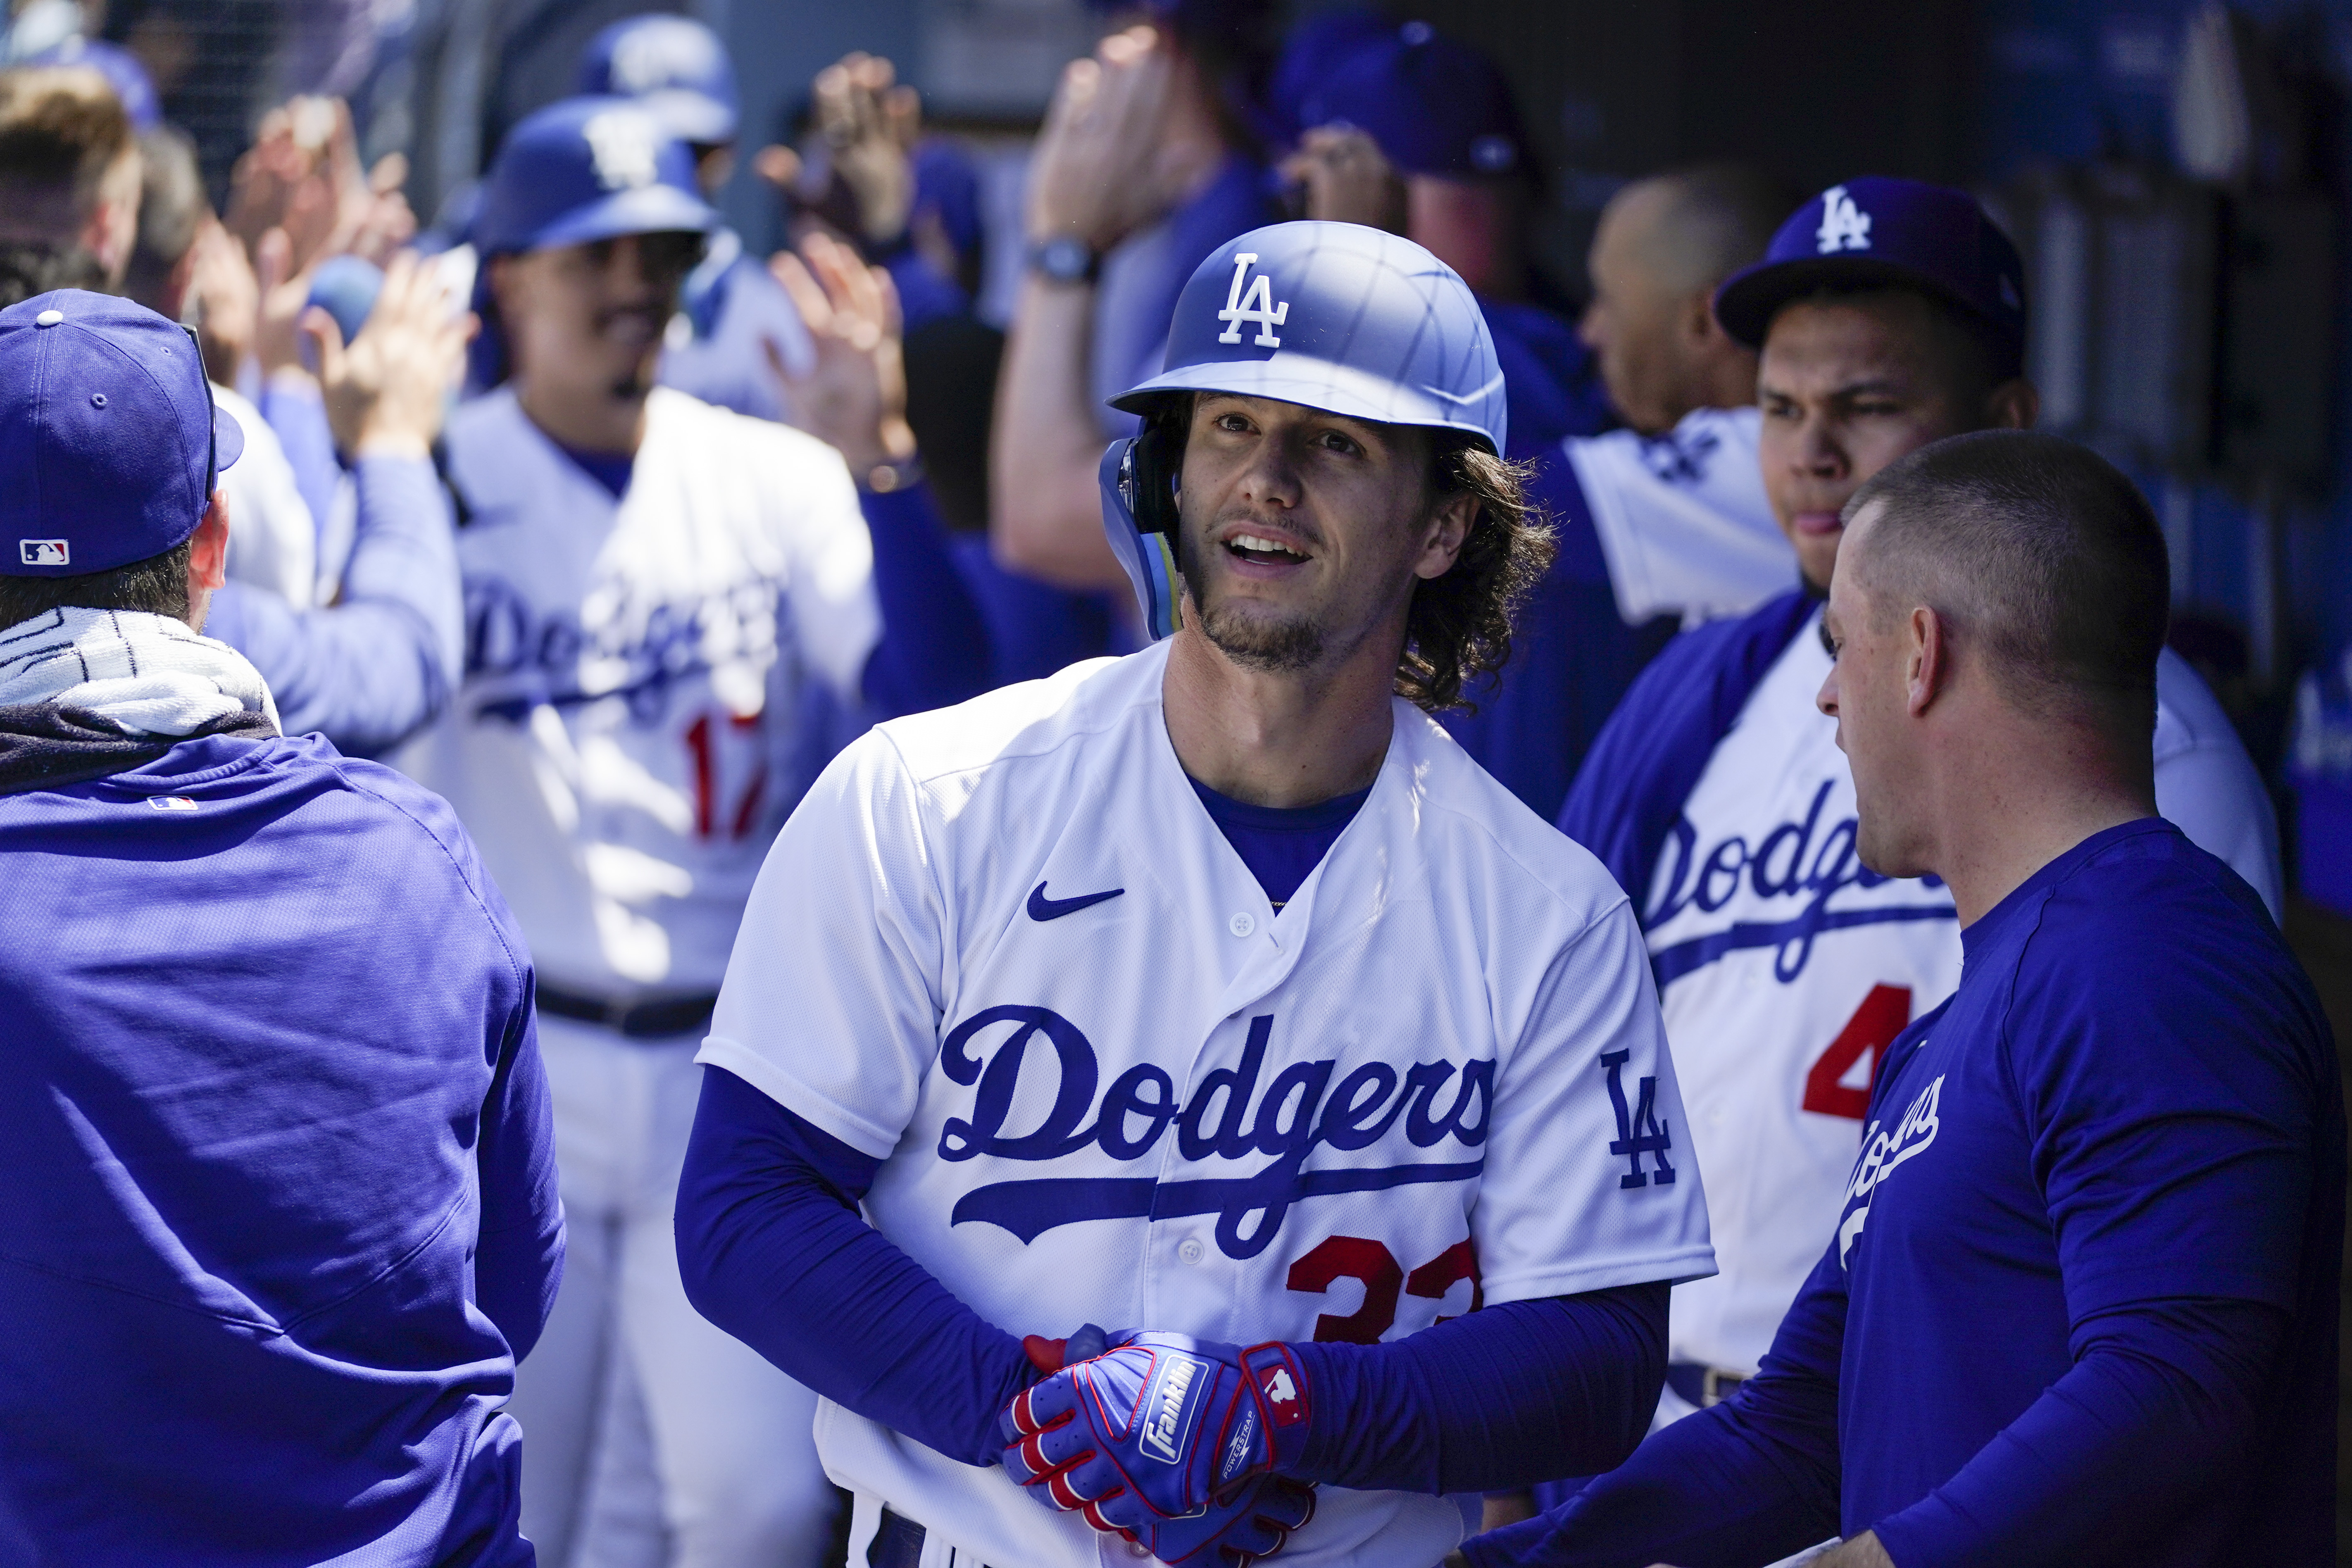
(1213, 991)
(662, 600)
(1889, 315)
(1674, 499)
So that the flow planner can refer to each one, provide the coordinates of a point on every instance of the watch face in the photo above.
(1064, 260)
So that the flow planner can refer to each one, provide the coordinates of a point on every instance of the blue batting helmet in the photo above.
(675, 66)
(1335, 316)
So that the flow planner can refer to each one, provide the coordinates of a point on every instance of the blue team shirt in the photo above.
(2132, 1098)
(281, 1191)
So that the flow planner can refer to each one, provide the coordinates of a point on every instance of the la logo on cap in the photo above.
(622, 140)
(44, 552)
(1844, 226)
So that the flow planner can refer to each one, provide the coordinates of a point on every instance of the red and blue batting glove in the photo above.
(1164, 1437)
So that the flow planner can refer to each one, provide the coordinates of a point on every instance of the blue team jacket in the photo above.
(281, 1209)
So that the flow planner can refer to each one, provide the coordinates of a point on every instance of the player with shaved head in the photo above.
(2078, 1280)
(1888, 315)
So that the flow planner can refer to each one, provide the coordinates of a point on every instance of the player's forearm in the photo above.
(290, 401)
(2157, 1410)
(934, 648)
(373, 669)
(1525, 1391)
(772, 1249)
(1709, 1491)
(1748, 1481)
(1044, 506)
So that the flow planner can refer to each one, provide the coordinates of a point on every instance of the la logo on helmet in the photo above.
(1256, 306)
(1844, 226)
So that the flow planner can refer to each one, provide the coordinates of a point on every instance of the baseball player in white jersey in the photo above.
(1681, 518)
(663, 600)
(1889, 314)
(1213, 995)
(1674, 499)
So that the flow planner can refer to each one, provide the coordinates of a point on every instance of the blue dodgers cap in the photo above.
(1435, 106)
(585, 169)
(1875, 232)
(675, 66)
(122, 69)
(1335, 316)
(109, 441)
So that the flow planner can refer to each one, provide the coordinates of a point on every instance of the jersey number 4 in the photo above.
(1884, 1014)
(1375, 1267)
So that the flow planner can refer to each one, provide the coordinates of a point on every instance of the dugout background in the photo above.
(2010, 96)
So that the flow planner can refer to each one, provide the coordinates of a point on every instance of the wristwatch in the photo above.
(1065, 258)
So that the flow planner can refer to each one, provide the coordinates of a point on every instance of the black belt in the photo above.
(1700, 1386)
(898, 1543)
(643, 1018)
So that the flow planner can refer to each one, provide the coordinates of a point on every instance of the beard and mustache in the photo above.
(1251, 632)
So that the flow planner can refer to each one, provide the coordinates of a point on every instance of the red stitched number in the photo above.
(1884, 1014)
(702, 753)
(1375, 1267)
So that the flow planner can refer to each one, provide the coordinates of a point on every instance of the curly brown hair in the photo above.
(1460, 626)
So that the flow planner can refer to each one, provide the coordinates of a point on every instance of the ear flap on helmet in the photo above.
(1139, 518)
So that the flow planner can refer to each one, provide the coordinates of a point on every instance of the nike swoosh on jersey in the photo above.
(1465, 401)
(1042, 908)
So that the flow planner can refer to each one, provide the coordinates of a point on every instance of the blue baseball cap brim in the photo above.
(649, 209)
(1345, 390)
(1749, 299)
(228, 440)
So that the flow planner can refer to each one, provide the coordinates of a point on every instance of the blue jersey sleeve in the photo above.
(934, 648)
(297, 415)
(1518, 1393)
(1746, 1481)
(773, 1250)
(382, 661)
(518, 1262)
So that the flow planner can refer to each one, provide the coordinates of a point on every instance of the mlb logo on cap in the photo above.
(44, 552)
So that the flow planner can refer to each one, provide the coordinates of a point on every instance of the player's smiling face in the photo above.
(1846, 385)
(1304, 532)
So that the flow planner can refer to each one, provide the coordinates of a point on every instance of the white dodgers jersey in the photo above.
(1785, 968)
(635, 721)
(1003, 949)
(1683, 519)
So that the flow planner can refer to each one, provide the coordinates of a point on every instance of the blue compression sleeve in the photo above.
(1748, 1481)
(1524, 1392)
(380, 663)
(519, 1254)
(297, 415)
(772, 1250)
(934, 648)
(2159, 1404)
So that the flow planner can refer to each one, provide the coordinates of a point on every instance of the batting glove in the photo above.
(1160, 1427)
(1252, 1522)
